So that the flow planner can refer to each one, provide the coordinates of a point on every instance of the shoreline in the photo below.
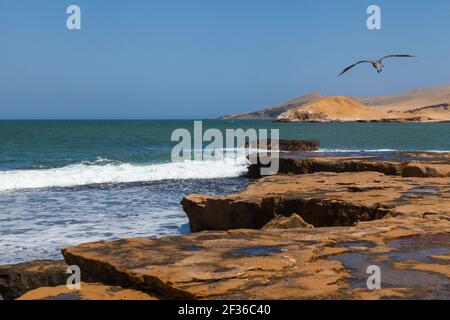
(411, 209)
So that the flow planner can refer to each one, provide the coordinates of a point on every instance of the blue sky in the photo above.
(198, 58)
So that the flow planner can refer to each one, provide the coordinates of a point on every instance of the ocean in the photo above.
(67, 182)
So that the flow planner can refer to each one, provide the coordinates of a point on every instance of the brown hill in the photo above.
(414, 99)
(430, 104)
(347, 109)
(331, 109)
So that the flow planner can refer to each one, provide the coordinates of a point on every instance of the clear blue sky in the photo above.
(190, 59)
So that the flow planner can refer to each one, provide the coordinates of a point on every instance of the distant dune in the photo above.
(331, 109)
(416, 105)
(347, 109)
(414, 99)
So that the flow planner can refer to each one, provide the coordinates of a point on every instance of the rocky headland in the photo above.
(309, 232)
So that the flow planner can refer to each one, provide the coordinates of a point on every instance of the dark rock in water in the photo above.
(289, 145)
(15, 280)
(299, 145)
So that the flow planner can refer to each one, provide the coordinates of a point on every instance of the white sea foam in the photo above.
(96, 173)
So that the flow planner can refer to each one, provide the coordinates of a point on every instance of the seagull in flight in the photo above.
(377, 64)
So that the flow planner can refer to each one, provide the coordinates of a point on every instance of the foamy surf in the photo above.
(87, 174)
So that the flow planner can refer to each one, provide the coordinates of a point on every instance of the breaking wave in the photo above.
(107, 172)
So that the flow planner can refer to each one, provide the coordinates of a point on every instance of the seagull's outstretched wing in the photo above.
(397, 56)
(353, 65)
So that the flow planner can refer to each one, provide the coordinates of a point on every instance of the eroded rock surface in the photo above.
(275, 264)
(321, 199)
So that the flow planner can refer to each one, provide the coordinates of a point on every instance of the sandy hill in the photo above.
(346, 109)
(430, 104)
(411, 100)
(338, 108)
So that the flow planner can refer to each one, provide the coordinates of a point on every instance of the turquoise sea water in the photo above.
(42, 144)
(66, 182)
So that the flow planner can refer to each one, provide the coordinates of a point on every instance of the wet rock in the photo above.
(429, 267)
(87, 291)
(17, 279)
(442, 258)
(292, 222)
(289, 145)
(407, 263)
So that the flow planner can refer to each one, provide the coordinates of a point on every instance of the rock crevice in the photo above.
(320, 199)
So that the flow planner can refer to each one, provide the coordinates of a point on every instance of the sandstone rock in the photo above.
(321, 199)
(270, 264)
(17, 279)
(443, 269)
(300, 163)
(87, 291)
(417, 169)
(292, 222)
(230, 214)
(443, 258)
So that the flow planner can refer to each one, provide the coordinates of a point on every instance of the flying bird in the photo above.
(377, 64)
